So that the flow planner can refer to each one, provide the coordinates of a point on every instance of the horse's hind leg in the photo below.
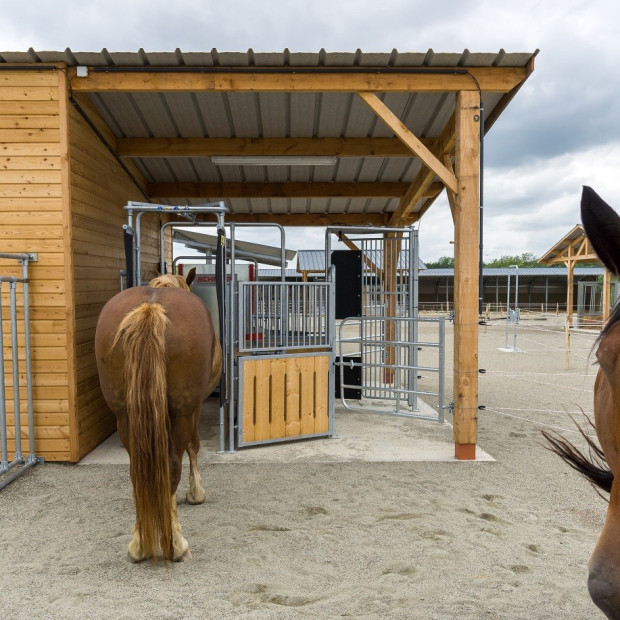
(180, 546)
(196, 493)
(136, 554)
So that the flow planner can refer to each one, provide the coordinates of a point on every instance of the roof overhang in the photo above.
(387, 118)
(244, 250)
(573, 247)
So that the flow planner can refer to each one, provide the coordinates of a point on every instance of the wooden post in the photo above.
(466, 256)
(391, 255)
(606, 298)
(569, 308)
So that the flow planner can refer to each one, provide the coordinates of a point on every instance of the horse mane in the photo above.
(169, 280)
(592, 466)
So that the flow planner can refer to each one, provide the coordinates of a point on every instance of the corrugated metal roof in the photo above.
(244, 250)
(285, 58)
(341, 115)
(275, 273)
(314, 260)
(523, 272)
(575, 236)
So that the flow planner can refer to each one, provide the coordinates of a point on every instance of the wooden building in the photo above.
(83, 133)
(574, 248)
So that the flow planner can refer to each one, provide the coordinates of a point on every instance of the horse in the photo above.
(602, 465)
(169, 280)
(158, 359)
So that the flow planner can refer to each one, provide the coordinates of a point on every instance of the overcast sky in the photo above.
(561, 131)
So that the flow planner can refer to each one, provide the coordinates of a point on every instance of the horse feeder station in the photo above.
(291, 347)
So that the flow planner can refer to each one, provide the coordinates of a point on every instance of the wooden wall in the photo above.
(31, 220)
(62, 195)
(99, 189)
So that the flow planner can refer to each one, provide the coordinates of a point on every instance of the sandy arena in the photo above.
(369, 525)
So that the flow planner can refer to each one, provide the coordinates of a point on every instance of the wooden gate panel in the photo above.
(284, 397)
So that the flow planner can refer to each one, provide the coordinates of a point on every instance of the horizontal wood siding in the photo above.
(100, 188)
(31, 220)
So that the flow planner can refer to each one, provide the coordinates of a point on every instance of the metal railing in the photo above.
(20, 464)
(280, 316)
(362, 343)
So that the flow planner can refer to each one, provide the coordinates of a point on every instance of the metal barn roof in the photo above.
(314, 260)
(524, 272)
(186, 107)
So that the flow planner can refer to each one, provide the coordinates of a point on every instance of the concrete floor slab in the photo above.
(368, 437)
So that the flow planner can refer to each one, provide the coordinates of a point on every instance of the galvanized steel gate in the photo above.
(281, 358)
(283, 347)
(20, 378)
(379, 346)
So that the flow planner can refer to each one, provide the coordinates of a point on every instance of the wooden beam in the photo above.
(204, 79)
(275, 190)
(69, 268)
(311, 219)
(606, 301)
(421, 185)
(206, 147)
(416, 191)
(447, 160)
(392, 243)
(410, 139)
(466, 239)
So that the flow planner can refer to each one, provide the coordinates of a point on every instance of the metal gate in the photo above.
(378, 362)
(19, 379)
(283, 347)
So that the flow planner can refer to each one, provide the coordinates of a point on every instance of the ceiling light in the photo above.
(270, 160)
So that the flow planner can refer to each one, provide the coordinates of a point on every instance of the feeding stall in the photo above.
(299, 139)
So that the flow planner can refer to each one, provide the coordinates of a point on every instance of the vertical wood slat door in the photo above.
(283, 397)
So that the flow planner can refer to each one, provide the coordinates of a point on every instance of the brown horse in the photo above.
(602, 226)
(158, 359)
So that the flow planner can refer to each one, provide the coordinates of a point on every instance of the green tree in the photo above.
(445, 262)
(521, 260)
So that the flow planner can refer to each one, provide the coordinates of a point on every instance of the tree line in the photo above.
(521, 260)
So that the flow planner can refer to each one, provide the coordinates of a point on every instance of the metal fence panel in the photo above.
(362, 344)
(9, 471)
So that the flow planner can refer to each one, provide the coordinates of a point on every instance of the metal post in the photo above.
(413, 305)
(16, 398)
(4, 462)
(442, 368)
(31, 460)
(331, 328)
(516, 310)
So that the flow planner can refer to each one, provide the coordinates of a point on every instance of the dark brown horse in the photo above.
(158, 359)
(602, 468)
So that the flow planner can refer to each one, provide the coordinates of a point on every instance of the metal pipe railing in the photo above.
(18, 460)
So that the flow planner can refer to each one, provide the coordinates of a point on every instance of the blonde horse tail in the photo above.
(142, 337)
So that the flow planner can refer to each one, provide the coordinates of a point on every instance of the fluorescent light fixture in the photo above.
(271, 160)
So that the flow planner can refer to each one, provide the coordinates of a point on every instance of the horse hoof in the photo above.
(198, 498)
(135, 560)
(185, 556)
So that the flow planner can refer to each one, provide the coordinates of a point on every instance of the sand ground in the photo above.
(307, 535)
